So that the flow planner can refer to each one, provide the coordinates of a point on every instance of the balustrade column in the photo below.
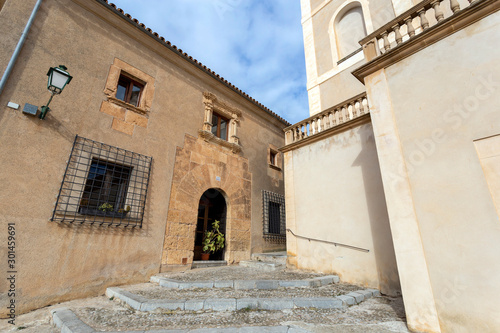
(387, 45)
(331, 117)
(399, 38)
(410, 28)
(454, 5)
(338, 114)
(298, 133)
(423, 20)
(350, 111)
(437, 10)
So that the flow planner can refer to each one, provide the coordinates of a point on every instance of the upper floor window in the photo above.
(274, 157)
(129, 90)
(220, 125)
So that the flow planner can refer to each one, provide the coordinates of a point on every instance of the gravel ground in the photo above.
(239, 273)
(153, 291)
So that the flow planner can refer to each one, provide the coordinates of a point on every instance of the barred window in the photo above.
(103, 185)
(273, 208)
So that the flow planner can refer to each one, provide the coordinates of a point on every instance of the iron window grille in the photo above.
(273, 210)
(103, 185)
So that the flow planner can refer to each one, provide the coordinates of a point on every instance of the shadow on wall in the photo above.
(377, 210)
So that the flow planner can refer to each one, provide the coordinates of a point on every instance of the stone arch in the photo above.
(201, 165)
(343, 9)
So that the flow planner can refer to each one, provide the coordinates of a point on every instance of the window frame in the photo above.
(131, 82)
(118, 201)
(276, 162)
(220, 118)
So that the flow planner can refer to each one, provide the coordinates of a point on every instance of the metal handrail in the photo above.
(328, 242)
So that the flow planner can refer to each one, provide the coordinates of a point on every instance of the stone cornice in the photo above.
(443, 29)
(227, 110)
(209, 137)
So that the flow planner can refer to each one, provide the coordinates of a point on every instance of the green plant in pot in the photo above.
(213, 240)
(106, 207)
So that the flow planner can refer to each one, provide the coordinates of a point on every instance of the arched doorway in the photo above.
(212, 207)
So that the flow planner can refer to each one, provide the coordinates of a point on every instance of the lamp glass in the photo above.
(58, 79)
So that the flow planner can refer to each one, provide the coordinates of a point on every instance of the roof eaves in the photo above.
(187, 57)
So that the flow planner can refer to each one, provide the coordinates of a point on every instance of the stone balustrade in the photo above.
(409, 24)
(332, 117)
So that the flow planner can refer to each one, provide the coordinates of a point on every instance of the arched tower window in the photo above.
(349, 30)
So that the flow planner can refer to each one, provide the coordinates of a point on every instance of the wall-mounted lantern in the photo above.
(58, 79)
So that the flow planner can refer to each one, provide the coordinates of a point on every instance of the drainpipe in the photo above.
(19, 46)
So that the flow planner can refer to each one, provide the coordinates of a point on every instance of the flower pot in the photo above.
(205, 256)
(97, 212)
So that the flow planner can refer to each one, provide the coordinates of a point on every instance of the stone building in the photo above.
(138, 155)
(393, 182)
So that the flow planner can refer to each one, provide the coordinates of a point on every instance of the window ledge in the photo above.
(208, 136)
(127, 106)
(275, 167)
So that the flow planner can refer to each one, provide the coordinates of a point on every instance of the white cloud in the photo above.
(254, 44)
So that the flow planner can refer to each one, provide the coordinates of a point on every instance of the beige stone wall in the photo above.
(60, 262)
(436, 119)
(334, 193)
(340, 87)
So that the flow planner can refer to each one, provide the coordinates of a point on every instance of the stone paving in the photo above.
(206, 300)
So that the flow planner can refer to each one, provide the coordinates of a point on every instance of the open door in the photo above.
(212, 207)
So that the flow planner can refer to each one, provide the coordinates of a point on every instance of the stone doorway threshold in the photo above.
(208, 263)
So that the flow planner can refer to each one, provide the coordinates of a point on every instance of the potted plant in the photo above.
(213, 241)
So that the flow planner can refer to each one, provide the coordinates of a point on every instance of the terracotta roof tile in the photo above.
(189, 58)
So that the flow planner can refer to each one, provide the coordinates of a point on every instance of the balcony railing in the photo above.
(332, 117)
(411, 23)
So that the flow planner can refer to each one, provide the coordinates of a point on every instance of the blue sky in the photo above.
(255, 44)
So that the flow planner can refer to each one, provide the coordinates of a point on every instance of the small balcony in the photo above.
(420, 26)
(334, 117)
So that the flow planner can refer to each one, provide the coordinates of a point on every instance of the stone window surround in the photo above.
(146, 98)
(274, 149)
(212, 104)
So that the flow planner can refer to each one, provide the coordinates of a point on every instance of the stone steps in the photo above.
(191, 297)
(246, 284)
(267, 261)
(208, 263)
(276, 257)
(141, 303)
